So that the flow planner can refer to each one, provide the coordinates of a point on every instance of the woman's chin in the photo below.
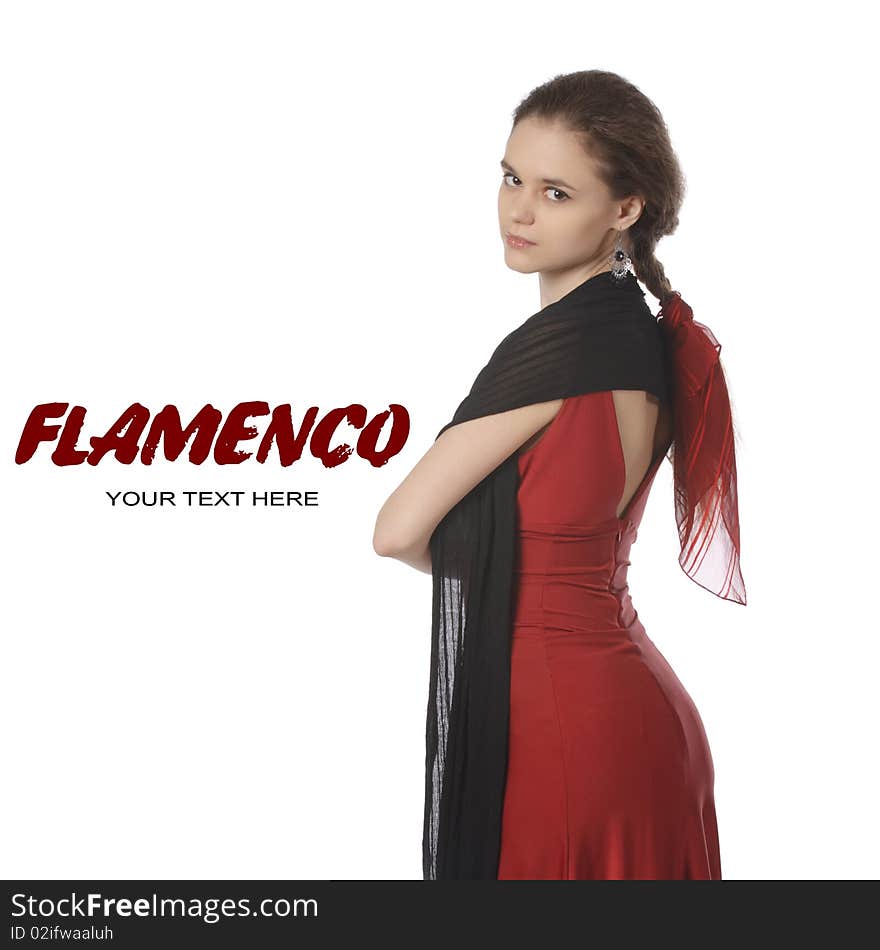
(520, 266)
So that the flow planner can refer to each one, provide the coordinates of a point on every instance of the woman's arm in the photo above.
(460, 459)
(419, 557)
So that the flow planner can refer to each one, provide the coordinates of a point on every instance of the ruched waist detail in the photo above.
(572, 578)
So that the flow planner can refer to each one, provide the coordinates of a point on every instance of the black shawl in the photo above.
(599, 336)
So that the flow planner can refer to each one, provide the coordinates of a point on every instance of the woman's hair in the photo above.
(624, 132)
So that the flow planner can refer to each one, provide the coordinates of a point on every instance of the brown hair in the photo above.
(624, 132)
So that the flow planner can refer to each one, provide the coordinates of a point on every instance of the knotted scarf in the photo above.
(600, 336)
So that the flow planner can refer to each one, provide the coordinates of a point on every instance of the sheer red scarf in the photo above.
(703, 455)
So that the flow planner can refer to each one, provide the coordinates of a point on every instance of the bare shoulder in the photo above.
(550, 410)
(644, 421)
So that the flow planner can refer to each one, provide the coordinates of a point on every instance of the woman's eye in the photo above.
(558, 191)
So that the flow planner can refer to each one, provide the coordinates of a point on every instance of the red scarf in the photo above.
(704, 469)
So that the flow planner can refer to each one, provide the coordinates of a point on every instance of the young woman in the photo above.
(560, 743)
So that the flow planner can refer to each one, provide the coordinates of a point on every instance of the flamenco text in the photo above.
(213, 435)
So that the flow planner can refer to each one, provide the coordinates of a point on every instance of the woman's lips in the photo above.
(518, 242)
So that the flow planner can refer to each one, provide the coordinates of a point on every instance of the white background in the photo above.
(222, 202)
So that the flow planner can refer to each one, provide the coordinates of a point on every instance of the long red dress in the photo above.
(609, 772)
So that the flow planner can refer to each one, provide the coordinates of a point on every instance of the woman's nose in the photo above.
(522, 209)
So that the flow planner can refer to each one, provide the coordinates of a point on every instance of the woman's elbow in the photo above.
(382, 545)
(394, 539)
(386, 543)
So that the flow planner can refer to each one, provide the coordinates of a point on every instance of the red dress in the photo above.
(609, 772)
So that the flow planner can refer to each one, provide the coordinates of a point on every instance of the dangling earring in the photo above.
(621, 262)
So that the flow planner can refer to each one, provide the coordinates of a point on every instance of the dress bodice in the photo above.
(573, 550)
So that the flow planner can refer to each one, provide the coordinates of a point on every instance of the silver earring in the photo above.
(621, 262)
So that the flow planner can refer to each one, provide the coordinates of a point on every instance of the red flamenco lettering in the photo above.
(136, 435)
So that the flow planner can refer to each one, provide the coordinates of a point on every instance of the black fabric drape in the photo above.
(600, 336)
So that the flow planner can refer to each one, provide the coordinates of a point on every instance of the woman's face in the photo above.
(571, 217)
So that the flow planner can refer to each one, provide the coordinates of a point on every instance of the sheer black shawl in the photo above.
(599, 336)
